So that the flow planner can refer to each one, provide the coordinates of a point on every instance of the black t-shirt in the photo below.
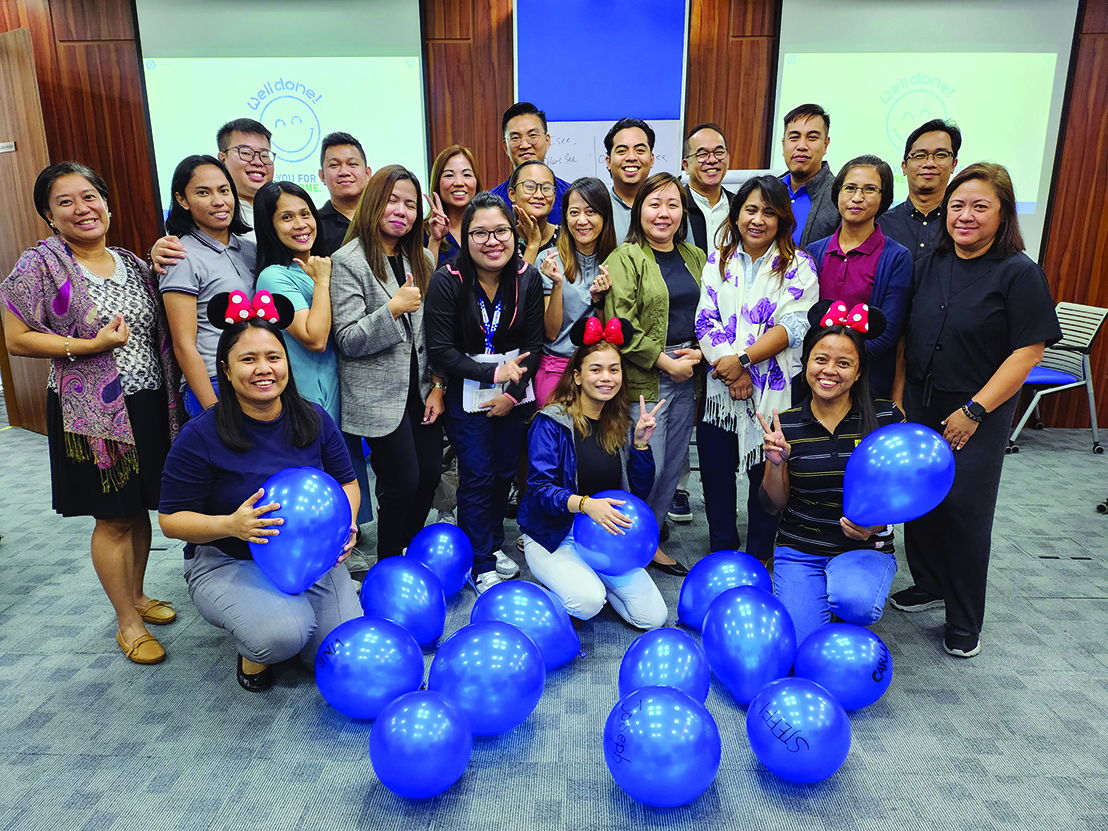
(684, 294)
(396, 263)
(596, 470)
(968, 316)
(332, 228)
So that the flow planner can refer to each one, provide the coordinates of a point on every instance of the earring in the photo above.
(109, 214)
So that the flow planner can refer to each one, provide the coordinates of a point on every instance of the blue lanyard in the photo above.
(489, 327)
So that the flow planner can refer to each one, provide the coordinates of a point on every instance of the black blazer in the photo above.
(697, 225)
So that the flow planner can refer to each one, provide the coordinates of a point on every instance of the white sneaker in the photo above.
(484, 582)
(506, 567)
(447, 516)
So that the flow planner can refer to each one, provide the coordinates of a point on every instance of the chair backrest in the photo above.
(1080, 325)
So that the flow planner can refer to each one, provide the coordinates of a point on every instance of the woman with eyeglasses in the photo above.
(858, 264)
(484, 324)
(532, 189)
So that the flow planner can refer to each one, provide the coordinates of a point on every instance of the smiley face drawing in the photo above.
(295, 128)
(911, 110)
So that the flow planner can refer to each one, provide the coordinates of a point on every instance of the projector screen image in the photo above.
(299, 99)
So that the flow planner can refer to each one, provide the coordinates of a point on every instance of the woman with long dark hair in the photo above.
(454, 183)
(484, 332)
(213, 482)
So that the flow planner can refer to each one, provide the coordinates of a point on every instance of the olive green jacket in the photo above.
(639, 294)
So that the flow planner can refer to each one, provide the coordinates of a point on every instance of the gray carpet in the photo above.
(1014, 738)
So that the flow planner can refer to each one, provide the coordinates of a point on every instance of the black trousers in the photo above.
(407, 463)
(948, 549)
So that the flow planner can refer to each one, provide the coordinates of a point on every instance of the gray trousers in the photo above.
(268, 625)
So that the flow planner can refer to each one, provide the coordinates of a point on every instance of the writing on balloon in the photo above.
(330, 649)
(783, 731)
(627, 710)
(882, 664)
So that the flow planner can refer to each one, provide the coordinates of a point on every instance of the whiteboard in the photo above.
(577, 148)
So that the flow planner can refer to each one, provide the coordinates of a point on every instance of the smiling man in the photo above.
(706, 159)
(809, 178)
(244, 147)
(523, 127)
(630, 155)
(930, 158)
(343, 169)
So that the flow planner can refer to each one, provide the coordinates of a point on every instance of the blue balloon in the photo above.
(493, 671)
(542, 618)
(420, 744)
(317, 525)
(711, 577)
(898, 473)
(798, 730)
(365, 663)
(661, 747)
(447, 551)
(617, 554)
(406, 592)
(665, 658)
(849, 661)
(749, 639)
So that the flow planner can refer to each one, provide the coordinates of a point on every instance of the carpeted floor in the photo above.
(1014, 738)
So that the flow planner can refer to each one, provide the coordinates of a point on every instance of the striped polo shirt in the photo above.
(817, 463)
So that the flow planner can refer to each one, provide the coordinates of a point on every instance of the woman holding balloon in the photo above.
(824, 564)
(578, 445)
(981, 317)
(211, 489)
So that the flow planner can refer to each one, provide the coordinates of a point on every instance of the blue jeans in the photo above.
(488, 451)
(853, 586)
(358, 459)
(192, 403)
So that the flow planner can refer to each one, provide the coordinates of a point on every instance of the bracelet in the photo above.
(581, 505)
(975, 412)
(69, 354)
(438, 385)
(641, 446)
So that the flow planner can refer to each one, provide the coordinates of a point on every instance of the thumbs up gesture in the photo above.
(408, 298)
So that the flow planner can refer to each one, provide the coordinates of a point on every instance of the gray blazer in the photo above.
(374, 348)
(824, 217)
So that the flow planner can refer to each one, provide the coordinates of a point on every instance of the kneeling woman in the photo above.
(824, 564)
(577, 447)
(212, 485)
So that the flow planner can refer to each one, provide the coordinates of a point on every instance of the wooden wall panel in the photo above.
(732, 56)
(82, 20)
(1075, 255)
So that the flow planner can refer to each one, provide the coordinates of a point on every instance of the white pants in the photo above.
(583, 591)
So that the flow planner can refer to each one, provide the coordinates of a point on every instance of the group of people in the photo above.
(568, 338)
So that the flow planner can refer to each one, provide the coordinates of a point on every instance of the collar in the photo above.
(871, 245)
(916, 213)
(617, 200)
(703, 202)
(806, 411)
(213, 243)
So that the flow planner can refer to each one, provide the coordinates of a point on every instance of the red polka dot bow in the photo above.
(856, 318)
(242, 307)
(612, 331)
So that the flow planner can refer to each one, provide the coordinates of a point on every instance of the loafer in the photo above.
(145, 649)
(675, 568)
(256, 681)
(159, 612)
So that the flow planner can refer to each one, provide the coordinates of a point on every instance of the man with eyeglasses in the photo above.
(807, 134)
(523, 127)
(705, 159)
(930, 157)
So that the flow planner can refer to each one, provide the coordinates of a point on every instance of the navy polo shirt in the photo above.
(911, 227)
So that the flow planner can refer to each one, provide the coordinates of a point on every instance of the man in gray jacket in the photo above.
(809, 178)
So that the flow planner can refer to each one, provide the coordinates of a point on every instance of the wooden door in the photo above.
(22, 155)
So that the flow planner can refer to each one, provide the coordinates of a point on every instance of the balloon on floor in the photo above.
(447, 551)
(665, 657)
(420, 744)
(898, 473)
(711, 577)
(316, 526)
(749, 639)
(541, 617)
(493, 671)
(616, 554)
(405, 591)
(661, 746)
(849, 661)
(365, 663)
(798, 730)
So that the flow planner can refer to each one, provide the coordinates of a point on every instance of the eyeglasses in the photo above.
(515, 139)
(866, 190)
(703, 155)
(481, 236)
(248, 154)
(923, 155)
(529, 187)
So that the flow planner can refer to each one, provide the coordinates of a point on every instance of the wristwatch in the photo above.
(975, 411)
(744, 360)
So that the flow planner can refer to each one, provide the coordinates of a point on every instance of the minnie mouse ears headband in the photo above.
(589, 330)
(868, 321)
(228, 308)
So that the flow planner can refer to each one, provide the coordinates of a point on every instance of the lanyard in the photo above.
(489, 327)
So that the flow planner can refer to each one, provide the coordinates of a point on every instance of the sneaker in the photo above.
(506, 567)
(679, 510)
(915, 599)
(960, 645)
(519, 544)
(483, 582)
(447, 516)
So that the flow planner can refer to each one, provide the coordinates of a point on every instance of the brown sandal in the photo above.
(158, 612)
(146, 649)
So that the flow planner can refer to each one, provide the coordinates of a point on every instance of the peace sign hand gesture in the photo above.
(773, 441)
(437, 223)
(648, 422)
